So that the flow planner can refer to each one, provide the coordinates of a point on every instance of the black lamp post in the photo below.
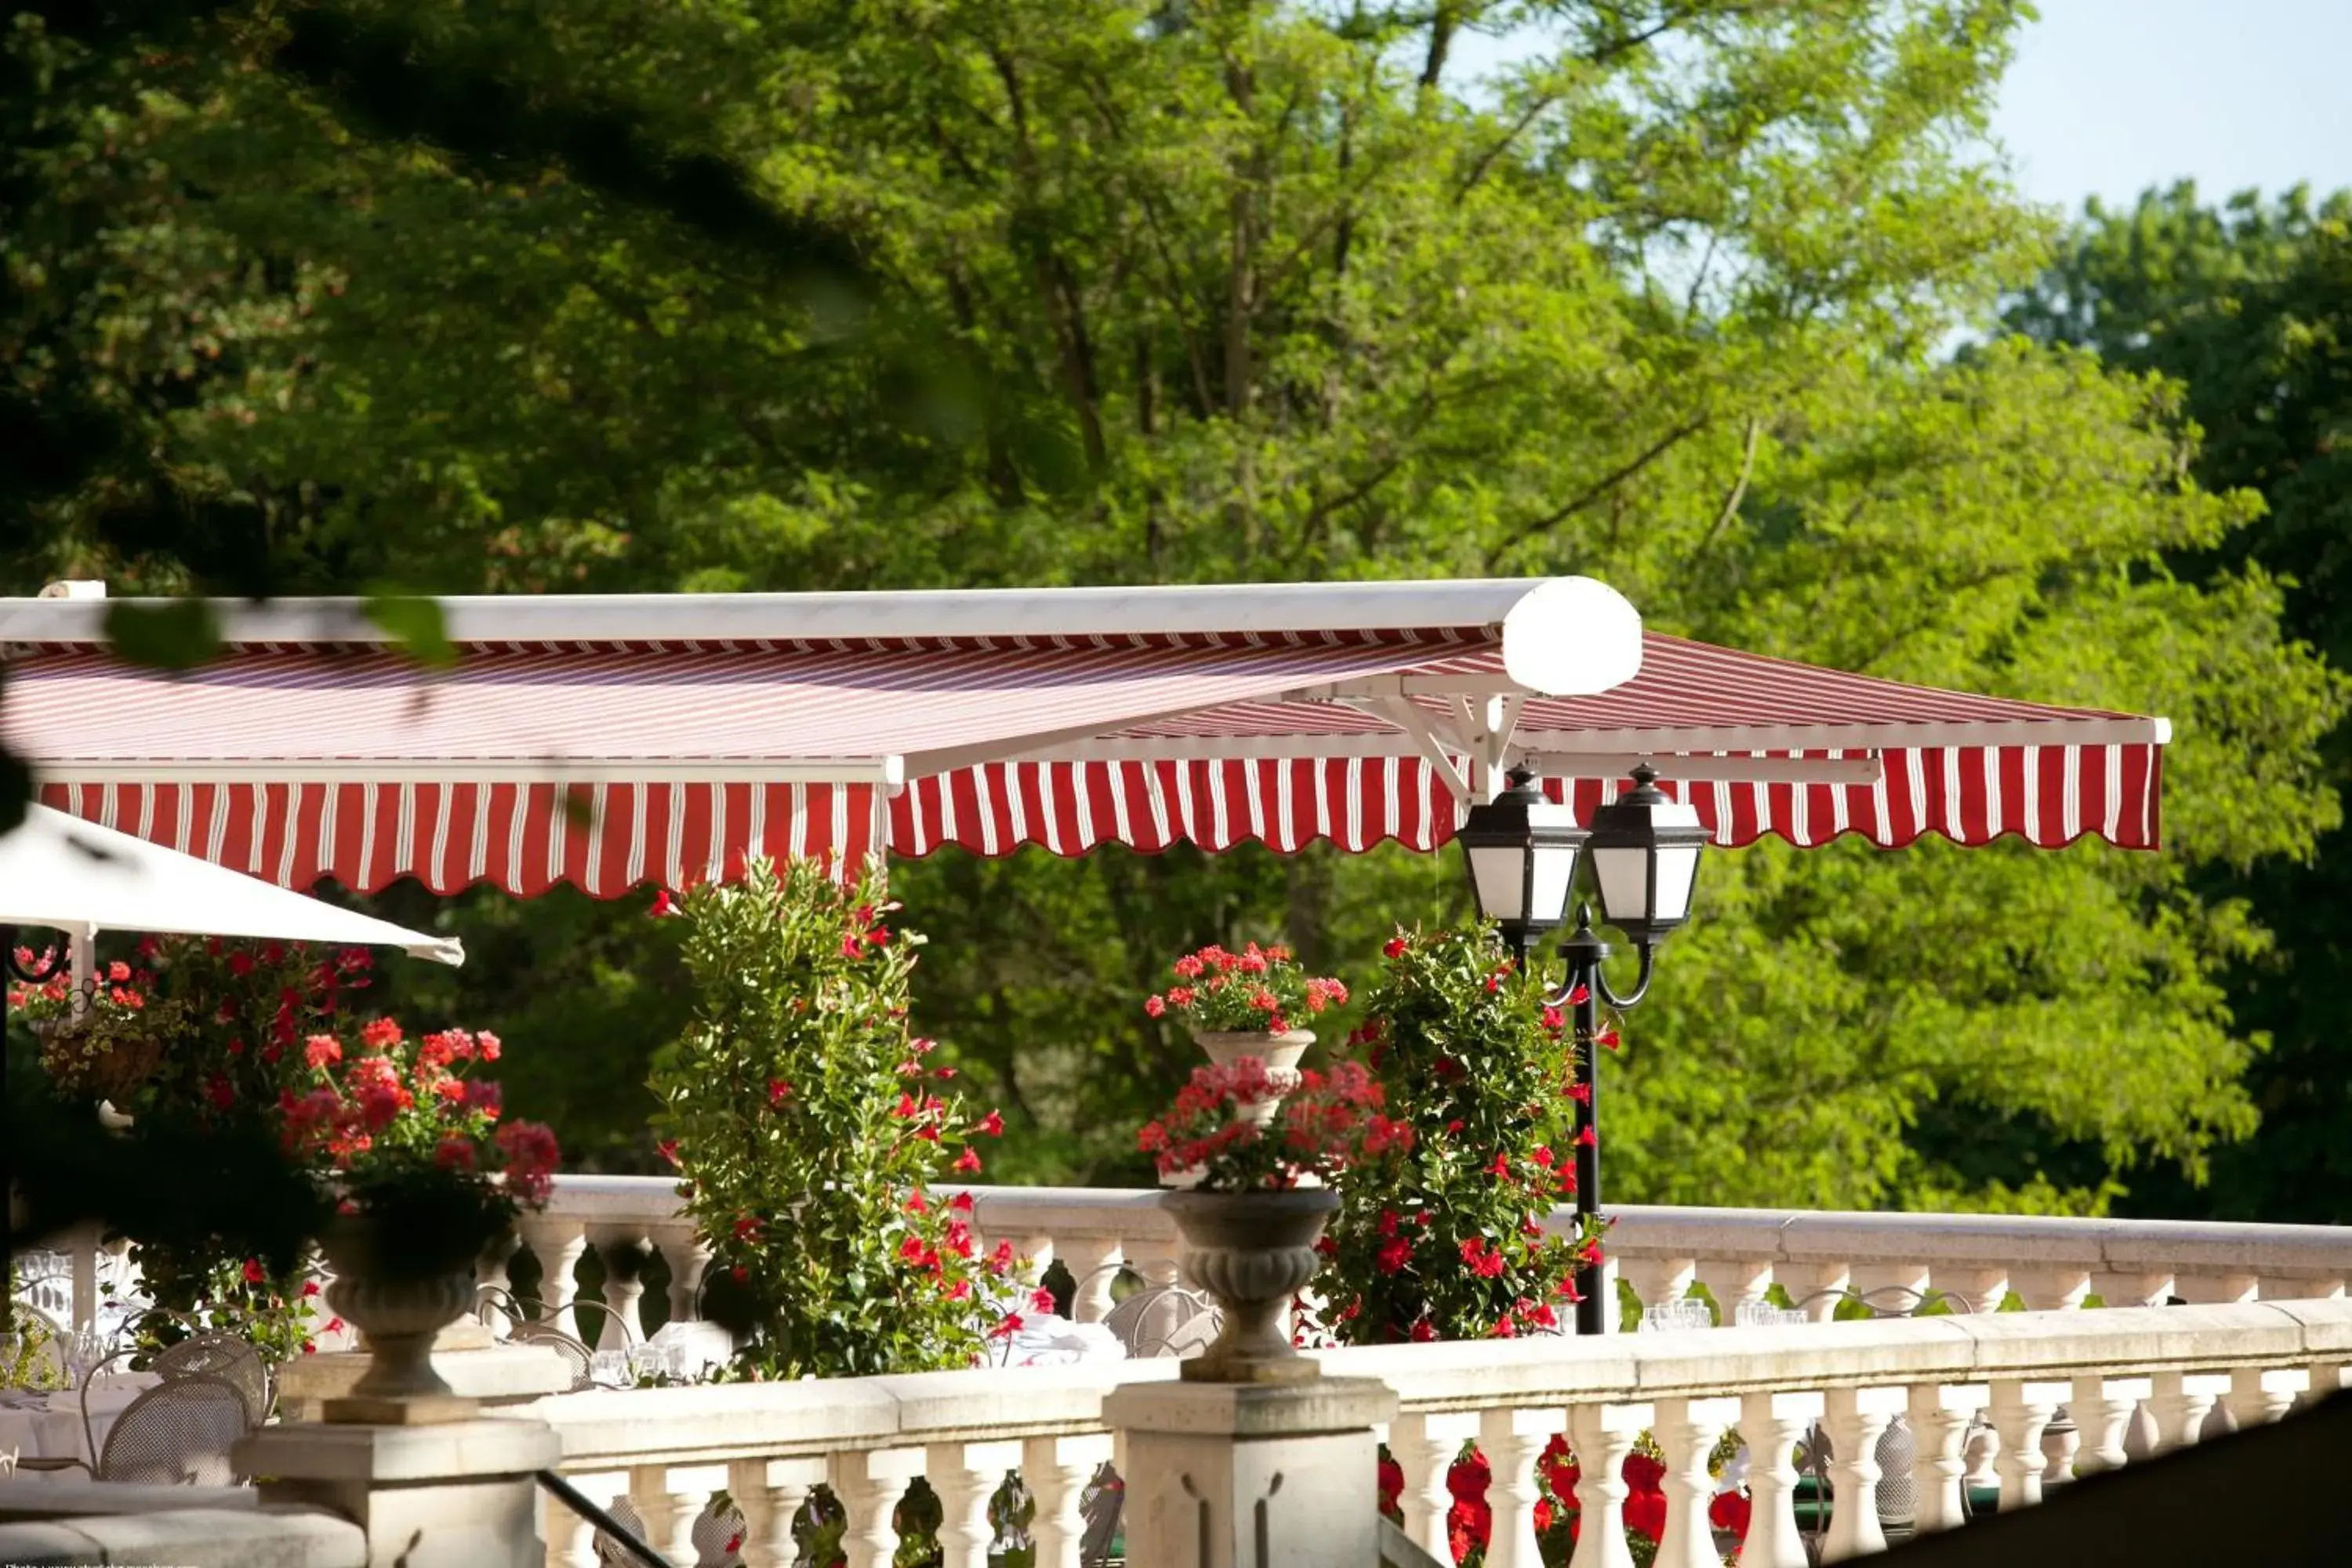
(1645, 851)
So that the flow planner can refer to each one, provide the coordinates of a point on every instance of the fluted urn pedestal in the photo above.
(1254, 1252)
(399, 1313)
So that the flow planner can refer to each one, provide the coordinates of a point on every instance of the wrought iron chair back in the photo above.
(179, 1433)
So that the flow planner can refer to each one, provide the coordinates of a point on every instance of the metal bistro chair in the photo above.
(524, 1328)
(179, 1433)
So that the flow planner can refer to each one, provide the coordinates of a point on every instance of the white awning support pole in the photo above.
(83, 945)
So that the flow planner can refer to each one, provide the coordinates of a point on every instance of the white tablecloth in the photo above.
(51, 1426)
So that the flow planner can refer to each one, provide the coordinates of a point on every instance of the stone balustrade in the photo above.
(1737, 1255)
(1977, 1393)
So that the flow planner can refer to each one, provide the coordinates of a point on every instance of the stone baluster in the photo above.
(1090, 1261)
(2145, 1287)
(2179, 1409)
(2257, 1398)
(2061, 1440)
(2102, 1413)
(1736, 1282)
(490, 1274)
(1424, 1447)
(2300, 1287)
(1512, 1441)
(557, 1244)
(2019, 1412)
(1154, 1261)
(2217, 1288)
(1981, 1286)
(2050, 1288)
(1658, 1280)
(1981, 1448)
(1688, 1431)
(571, 1540)
(2326, 1378)
(688, 1256)
(1773, 1425)
(1856, 1419)
(625, 1250)
(1892, 1285)
(1816, 1288)
(869, 1486)
(772, 1493)
(1939, 1429)
(669, 1502)
(966, 1476)
(1035, 1254)
(1056, 1470)
(1602, 1436)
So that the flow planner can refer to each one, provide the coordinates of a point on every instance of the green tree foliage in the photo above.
(1221, 291)
(2247, 305)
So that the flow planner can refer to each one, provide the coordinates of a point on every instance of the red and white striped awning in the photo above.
(593, 741)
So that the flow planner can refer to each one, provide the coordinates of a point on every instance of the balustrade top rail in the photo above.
(607, 1430)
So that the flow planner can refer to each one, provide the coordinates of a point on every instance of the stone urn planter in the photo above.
(399, 1299)
(1254, 1252)
(1280, 1053)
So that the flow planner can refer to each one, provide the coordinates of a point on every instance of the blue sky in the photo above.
(2109, 97)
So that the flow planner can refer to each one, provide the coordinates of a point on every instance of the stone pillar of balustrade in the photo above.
(2256, 1398)
(1092, 1261)
(1601, 1435)
(1939, 1419)
(1891, 1285)
(965, 1475)
(1233, 1475)
(1772, 1424)
(1856, 1418)
(444, 1494)
(1734, 1282)
(1057, 1471)
(1814, 1287)
(2051, 1286)
(2274, 1286)
(870, 1487)
(1034, 1256)
(1979, 1287)
(2326, 1378)
(558, 1243)
(2102, 1411)
(668, 1500)
(1658, 1280)
(1688, 1431)
(2179, 1402)
(772, 1493)
(686, 1251)
(2145, 1288)
(2217, 1288)
(626, 1250)
(1424, 1447)
(1512, 1441)
(2019, 1413)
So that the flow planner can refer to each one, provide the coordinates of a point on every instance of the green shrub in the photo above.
(809, 1133)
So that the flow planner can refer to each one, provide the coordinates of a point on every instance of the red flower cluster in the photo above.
(401, 1103)
(1328, 1123)
(1256, 989)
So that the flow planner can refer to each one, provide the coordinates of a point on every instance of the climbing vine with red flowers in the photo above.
(1450, 1242)
(811, 1131)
